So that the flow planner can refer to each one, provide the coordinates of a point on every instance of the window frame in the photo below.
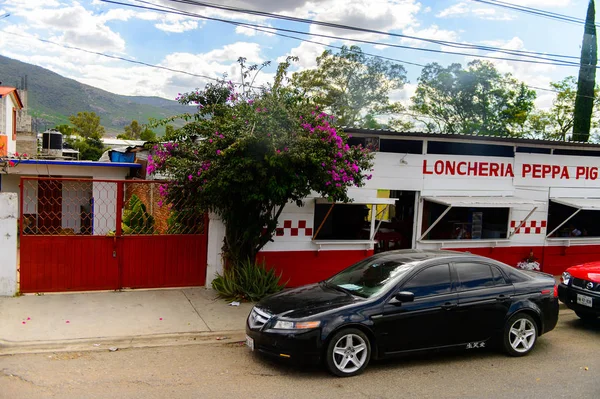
(401, 286)
(459, 286)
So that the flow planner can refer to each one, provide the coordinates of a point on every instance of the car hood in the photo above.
(306, 301)
(587, 271)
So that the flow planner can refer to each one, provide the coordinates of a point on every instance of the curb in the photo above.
(104, 343)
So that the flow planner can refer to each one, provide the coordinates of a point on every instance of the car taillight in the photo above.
(555, 291)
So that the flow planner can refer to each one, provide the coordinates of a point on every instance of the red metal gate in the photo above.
(90, 234)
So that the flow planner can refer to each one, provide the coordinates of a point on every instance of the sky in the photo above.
(211, 48)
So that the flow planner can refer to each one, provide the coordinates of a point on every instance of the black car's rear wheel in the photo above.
(348, 353)
(586, 316)
(520, 335)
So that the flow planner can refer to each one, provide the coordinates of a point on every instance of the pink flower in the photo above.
(218, 152)
(190, 177)
(210, 140)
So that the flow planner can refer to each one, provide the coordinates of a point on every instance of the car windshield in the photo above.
(370, 276)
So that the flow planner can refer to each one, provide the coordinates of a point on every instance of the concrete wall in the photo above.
(27, 142)
(214, 258)
(9, 209)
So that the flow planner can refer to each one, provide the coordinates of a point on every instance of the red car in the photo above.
(580, 290)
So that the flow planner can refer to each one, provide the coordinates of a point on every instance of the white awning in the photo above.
(483, 202)
(584, 204)
(362, 201)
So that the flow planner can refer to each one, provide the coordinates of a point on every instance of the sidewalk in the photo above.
(100, 320)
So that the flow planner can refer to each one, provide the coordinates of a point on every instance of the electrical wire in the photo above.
(534, 11)
(365, 30)
(270, 30)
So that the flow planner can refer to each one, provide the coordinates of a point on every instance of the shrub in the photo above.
(247, 281)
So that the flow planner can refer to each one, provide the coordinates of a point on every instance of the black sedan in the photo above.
(405, 301)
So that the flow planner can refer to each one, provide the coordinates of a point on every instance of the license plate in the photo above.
(584, 300)
(250, 341)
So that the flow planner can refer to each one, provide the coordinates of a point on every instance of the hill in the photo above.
(52, 98)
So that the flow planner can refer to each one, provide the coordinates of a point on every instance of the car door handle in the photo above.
(448, 306)
(502, 297)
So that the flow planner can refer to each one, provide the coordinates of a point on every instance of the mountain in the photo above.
(52, 98)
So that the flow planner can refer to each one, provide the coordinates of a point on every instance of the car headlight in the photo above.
(566, 278)
(296, 325)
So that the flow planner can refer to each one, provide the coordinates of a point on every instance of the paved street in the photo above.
(564, 364)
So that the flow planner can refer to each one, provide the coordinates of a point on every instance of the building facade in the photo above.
(509, 199)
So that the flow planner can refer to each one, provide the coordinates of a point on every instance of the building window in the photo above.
(584, 223)
(342, 222)
(464, 223)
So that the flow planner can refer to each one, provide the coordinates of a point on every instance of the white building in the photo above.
(500, 197)
(10, 104)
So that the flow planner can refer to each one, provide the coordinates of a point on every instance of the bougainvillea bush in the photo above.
(246, 152)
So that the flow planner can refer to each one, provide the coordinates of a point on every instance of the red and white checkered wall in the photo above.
(529, 227)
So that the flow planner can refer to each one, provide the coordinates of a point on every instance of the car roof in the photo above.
(416, 255)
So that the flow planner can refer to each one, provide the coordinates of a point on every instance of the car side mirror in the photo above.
(405, 296)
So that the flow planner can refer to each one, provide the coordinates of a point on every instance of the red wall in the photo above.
(306, 267)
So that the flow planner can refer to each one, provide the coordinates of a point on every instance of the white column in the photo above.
(9, 210)
(214, 256)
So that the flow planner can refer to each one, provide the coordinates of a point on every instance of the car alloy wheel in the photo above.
(520, 335)
(348, 353)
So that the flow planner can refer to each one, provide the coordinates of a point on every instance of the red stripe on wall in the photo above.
(306, 267)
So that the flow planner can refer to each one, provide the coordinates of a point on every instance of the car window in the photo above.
(472, 275)
(434, 280)
(498, 276)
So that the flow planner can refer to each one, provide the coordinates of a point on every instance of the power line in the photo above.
(534, 11)
(112, 56)
(365, 30)
(270, 29)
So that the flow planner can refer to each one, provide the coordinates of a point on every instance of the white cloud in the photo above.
(73, 25)
(177, 24)
(307, 54)
(381, 15)
(433, 33)
(231, 52)
(464, 9)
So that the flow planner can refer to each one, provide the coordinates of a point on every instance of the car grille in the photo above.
(258, 318)
(586, 285)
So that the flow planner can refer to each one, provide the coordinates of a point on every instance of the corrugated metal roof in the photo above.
(505, 139)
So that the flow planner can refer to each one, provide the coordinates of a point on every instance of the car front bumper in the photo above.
(568, 296)
(294, 345)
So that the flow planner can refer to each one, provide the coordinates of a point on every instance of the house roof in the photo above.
(489, 138)
(12, 91)
(80, 163)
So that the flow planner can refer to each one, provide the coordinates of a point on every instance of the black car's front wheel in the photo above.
(348, 352)
(520, 335)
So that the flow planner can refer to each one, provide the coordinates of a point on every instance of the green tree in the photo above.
(66, 130)
(475, 100)
(558, 121)
(90, 149)
(169, 132)
(245, 154)
(148, 135)
(135, 131)
(87, 125)
(351, 85)
(584, 102)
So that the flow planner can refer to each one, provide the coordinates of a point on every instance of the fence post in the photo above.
(9, 211)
